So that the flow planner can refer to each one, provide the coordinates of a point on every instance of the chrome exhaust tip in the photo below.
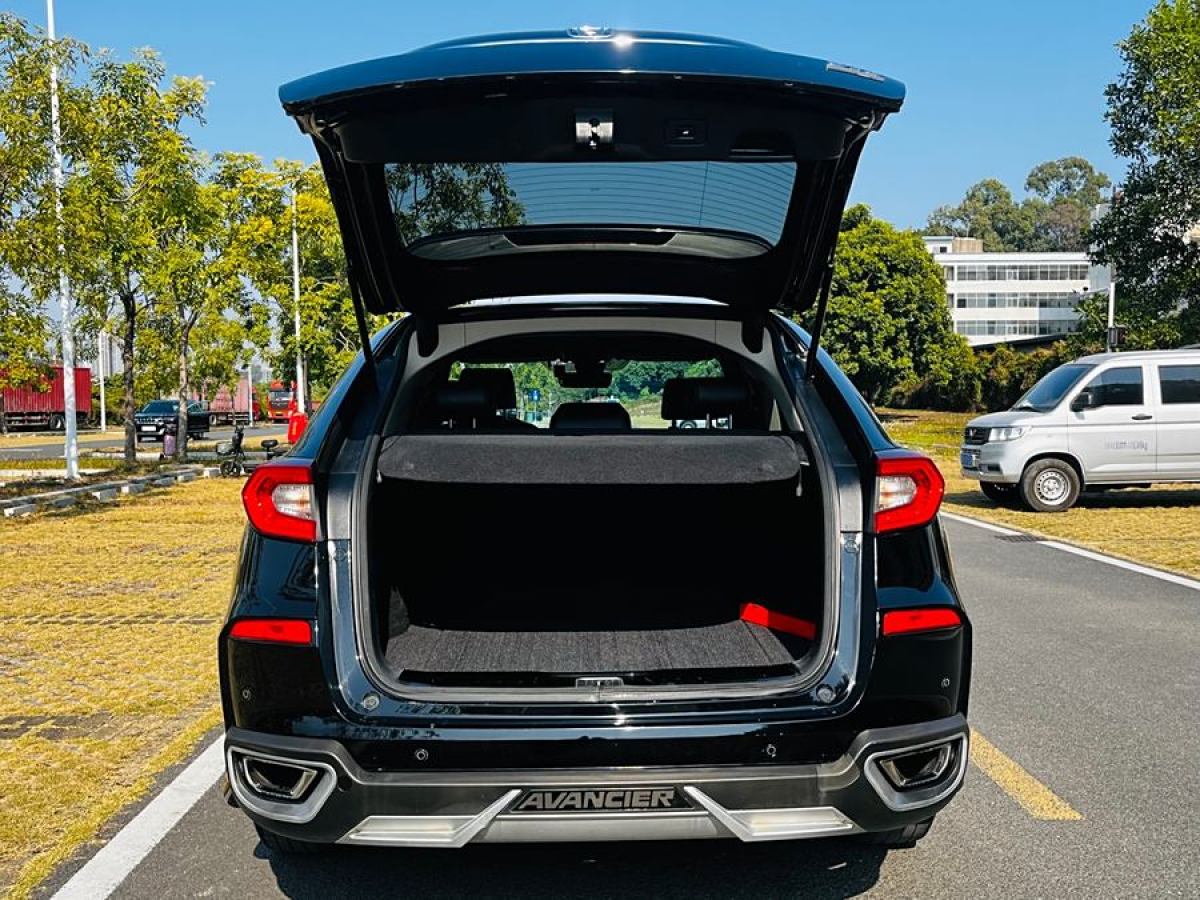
(286, 790)
(920, 775)
(277, 780)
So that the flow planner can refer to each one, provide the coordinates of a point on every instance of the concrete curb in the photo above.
(105, 491)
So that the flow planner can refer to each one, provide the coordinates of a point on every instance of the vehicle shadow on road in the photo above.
(818, 868)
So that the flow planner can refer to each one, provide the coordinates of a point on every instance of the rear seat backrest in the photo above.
(590, 417)
(704, 398)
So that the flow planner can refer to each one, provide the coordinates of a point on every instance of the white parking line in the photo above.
(987, 526)
(105, 871)
(1181, 580)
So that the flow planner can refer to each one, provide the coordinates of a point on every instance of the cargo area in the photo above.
(533, 559)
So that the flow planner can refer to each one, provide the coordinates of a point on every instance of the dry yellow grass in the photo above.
(1159, 526)
(26, 438)
(108, 666)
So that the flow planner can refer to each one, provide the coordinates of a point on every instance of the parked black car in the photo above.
(152, 419)
(451, 626)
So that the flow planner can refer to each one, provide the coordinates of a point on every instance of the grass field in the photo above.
(108, 668)
(1159, 526)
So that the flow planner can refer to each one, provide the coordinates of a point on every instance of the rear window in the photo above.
(636, 385)
(440, 199)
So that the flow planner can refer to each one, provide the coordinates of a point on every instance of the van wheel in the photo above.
(899, 838)
(58, 422)
(1050, 485)
(1002, 494)
(277, 843)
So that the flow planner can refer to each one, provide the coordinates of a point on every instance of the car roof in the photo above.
(1184, 355)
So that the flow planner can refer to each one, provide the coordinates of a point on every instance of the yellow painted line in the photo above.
(1033, 796)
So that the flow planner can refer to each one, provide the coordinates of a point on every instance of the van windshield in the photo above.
(1050, 390)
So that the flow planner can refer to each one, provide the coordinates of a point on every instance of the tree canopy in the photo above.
(1149, 232)
(888, 326)
(1054, 216)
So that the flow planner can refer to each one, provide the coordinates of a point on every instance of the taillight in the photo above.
(273, 631)
(279, 501)
(908, 490)
(914, 621)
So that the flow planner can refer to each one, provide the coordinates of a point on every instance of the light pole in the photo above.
(66, 302)
(296, 302)
(1110, 333)
(101, 353)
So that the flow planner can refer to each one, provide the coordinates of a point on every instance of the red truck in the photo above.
(41, 405)
(229, 406)
(280, 397)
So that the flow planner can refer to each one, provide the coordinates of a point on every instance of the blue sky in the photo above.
(993, 88)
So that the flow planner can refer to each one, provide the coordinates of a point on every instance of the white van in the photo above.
(1107, 420)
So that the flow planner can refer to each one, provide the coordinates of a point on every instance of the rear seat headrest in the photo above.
(590, 417)
(455, 400)
(699, 398)
(499, 384)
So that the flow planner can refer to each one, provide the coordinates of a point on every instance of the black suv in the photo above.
(153, 419)
(495, 592)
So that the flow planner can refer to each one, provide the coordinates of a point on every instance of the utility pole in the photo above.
(101, 353)
(66, 302)
(300, 398)
(1110, 334)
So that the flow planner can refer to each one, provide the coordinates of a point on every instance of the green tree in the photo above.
(988, 212)
(30, 260)
(888, 324)
(1154, 113)
(1064, 193)
(129, 172)
(1054, 216)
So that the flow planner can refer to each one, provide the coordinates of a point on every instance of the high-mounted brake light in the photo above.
(908, 490)
(279, 501)
(915, 621)
(273, 631)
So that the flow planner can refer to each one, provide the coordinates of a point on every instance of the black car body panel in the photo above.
(325, 745)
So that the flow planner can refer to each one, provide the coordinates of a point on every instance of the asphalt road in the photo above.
(52, 448)
(1086, 681)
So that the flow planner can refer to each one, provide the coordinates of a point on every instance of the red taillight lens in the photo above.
(279, 501)
(914, 621)
(908, 490)
(273, 631)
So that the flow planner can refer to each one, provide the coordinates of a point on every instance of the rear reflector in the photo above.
(914, 621)
(908, 490)
(279, 501)
(776, 621)
(273, 631)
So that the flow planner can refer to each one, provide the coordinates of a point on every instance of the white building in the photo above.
(1002, 297)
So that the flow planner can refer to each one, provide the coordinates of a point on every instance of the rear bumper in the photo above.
(344, 803)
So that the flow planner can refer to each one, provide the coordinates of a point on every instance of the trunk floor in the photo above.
(725, 646)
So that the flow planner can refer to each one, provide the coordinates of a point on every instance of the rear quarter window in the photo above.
(1179, 384)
